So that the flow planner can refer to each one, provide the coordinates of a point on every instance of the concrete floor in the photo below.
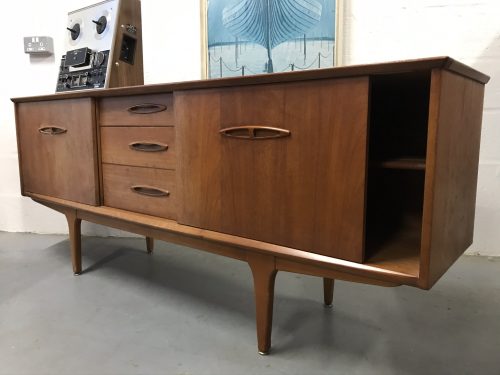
(182, 311)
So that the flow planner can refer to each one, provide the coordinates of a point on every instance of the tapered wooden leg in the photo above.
(264, 273)
(150, 244)
(74, 225)
(328, 285)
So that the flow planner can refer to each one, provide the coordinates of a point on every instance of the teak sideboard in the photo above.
(362, 173)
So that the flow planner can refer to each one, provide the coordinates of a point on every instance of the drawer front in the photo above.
(149, 191)
(139, 146)
(58, 150)
(140, 110)
(284, 163)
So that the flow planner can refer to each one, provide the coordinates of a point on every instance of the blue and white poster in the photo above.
(247, 37)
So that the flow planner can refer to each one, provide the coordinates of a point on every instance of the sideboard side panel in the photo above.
(451, 176)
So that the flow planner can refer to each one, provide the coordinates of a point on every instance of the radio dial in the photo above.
(99, 59)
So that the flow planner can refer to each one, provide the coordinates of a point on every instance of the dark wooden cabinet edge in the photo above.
(19, 155)
(443, 62)
(464, 70)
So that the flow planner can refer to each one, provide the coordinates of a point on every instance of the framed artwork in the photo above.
(246, 37)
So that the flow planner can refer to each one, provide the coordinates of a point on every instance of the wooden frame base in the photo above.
(74, 228)
(264, 274)
(150, 244)
(328, 285)
(264, 266)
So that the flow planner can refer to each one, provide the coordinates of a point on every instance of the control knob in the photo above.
(74, 31)
(99, 59)
(100, 24)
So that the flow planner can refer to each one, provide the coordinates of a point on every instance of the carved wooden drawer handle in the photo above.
(149, 191)
(146, 108)
(148, 146)
(51, 130)
(254, 132)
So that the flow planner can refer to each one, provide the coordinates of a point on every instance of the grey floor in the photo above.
(182, 311)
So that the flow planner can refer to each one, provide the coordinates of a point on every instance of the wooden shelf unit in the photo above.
(400, 163)
(399, 117)
(363, 173)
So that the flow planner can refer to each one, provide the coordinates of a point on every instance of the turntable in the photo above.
(104, 47)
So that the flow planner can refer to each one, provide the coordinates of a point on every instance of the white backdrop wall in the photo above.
(373, 31)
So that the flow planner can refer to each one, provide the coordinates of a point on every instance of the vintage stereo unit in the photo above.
(104, 47)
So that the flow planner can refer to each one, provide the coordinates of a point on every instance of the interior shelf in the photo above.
(399, 114)
(399, 251)
(400, 163)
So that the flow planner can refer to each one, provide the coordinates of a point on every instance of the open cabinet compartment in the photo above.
(399, 111)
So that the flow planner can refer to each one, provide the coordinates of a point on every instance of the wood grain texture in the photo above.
(19, 153)
(264, 275)
(160, 233)
(304, 191)
(392, 67)
(328, 286)
(114, 111)
(99, 155)
(74, 231)
(298, 266)
(228, 245)
(74, 228)
(115, 146)
(400, 253)
(197, 149)
(63, 165)
(118, 182)
(124, 74)
(394, 219)
(455, 117)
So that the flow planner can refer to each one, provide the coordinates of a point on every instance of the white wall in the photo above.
(373, 31)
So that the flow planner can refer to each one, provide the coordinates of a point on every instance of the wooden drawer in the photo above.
(57, 147)
(140, 110)
(139, 146)
(145, 190)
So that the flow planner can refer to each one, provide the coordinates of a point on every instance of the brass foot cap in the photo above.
(329, 306)
(77, 273)
(263, 353)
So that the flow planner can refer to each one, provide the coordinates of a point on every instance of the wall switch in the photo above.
(38, 45)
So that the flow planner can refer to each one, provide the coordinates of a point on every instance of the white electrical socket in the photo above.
(38, 45)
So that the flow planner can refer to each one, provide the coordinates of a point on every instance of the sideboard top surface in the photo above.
(394, 67)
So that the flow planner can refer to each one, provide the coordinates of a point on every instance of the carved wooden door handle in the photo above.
(150, 191)
(148, 146)
(254, 132)
(146, 108)
(52, 130)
